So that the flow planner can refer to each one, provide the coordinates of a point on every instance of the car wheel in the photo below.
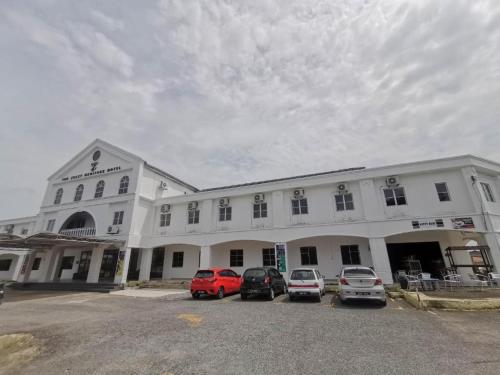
(220, 293)
(244, 296)
(271, 294)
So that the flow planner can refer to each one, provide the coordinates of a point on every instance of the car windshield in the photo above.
(255, 273)
(302, 275)
(358, 272)
(204, 274)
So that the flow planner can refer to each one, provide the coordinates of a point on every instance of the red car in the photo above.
(215, 282)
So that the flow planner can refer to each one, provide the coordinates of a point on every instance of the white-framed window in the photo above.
(59, 194)
(99, 189)
(225, 213)
(344, 202)
(269, 257)
(193, 216)
(442, 191)
(260, 210)
(395, 196)
(299, 206)
(350, 254)
(78, 193)
(488, 193)
(308, 256)
(177, 259)
(50, 225)
(123, 189)
(118, 218)
(165, 219)
(236, 258)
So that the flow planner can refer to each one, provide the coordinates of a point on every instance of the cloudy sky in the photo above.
(219, 92)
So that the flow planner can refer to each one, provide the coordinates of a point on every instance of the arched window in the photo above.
(99, 189)
(123, 185)
(59, 194)
(78, 193)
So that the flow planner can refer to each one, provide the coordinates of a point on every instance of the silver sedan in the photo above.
(359, 282)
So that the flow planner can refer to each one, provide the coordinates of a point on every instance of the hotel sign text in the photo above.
(76, 177)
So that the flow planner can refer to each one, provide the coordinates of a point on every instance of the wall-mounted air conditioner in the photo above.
(192, 206)
(392, 181)
(113, 229)
(342, 188)
(298, 193)
(165, 208)
(259, 198)
(223, 202)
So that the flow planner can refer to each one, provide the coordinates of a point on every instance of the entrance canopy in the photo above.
(483, 251)
(46, 240)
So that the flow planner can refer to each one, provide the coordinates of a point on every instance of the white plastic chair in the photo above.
(412, 281)
(452, 279)
(478, 280)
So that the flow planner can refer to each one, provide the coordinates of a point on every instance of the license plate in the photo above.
(201, 292)
(253, 291)
(362, 293)
(303, 293)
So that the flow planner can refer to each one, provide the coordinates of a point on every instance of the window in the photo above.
(236, 258)
(78, 193)
(487, 192)
(193, 216)
(299, 206)
(259, 210)
(5, 264)
(350, 254)
(165, 219)
(395, 197)
(36, 264)
(308, 256)
(67, 263)
(344, 202)
(225, 213)
(118, 218)
(50, 225)
(268, 257)
(59, 194)
(123, 185)
(99, 189)
(442, 191)
(177, 259)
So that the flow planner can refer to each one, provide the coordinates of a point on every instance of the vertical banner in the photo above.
(280, 248)
(119, 264)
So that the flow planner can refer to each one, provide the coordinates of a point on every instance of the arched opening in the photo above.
(79, 224)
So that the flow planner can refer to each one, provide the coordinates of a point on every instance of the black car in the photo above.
(263, 281)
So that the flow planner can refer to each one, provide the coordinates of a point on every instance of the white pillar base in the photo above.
(205, 257)
(145, 270)
(380, 259)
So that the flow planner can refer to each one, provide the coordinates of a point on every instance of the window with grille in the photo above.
(78, 193)
(308, 256)
(344, 202)
(350, 254)
(36, 264)
(177, 259)
(259, 210)
(268, 257)
(193, 216)
(488, 193)
(118, 218)
(123, 189)
(50, 225)
(395, 196)
(59, 194)
(442, 192)
(225, 213)
(99, 189)
(165, 219)
(236, 258)
(299, 206)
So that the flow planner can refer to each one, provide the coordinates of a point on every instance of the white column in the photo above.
(145, 270)
(278, 209)
(493, 242)
(95, 264)
(18, 267)
(49, 264)
(380, 259)
(122, 270)
(205, 257)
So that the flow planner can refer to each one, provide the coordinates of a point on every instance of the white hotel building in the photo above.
(110, 217)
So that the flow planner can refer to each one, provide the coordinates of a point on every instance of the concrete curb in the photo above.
(424, 302)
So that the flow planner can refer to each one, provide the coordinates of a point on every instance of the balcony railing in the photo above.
(78, 232)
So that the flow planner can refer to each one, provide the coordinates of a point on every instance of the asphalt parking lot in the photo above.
(103, 334)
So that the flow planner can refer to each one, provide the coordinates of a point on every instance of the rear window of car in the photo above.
(302, 275)
(204, 274)
(358, 272)
(255, 273)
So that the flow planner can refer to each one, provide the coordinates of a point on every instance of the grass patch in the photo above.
(16, 350)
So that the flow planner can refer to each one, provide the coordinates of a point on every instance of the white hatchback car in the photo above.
(306, 282)
(359, 282)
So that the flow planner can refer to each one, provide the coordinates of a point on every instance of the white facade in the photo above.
(369, 224)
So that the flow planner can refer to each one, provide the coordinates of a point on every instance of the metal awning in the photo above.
(483, 250)
(45, 240)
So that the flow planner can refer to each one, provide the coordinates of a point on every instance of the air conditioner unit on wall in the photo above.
(392, 181)
(258, 198)
(165, 208)
(342, 188)
(192, 206)
(223, 202)
(113, 229)
(163, 185)
(298, 193)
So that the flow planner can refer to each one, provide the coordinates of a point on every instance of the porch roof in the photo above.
(47, 240)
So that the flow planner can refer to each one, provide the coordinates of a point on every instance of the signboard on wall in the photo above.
(281, 256)
(424, 224)
(462, 223)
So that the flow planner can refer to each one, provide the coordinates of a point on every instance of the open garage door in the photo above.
(416, 257)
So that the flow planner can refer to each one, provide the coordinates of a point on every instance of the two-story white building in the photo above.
(109, 216)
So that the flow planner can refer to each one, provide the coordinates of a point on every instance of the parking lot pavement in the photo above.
(102, 334)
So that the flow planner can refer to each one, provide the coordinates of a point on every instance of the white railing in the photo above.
(78, 232)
